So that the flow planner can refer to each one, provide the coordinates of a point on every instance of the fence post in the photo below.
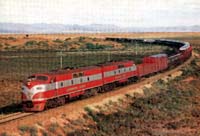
(61, 59)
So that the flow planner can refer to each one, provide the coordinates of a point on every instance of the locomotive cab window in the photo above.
(31, 78)
(75, 75)
(43, 78)
(80, 74)
(120, 66)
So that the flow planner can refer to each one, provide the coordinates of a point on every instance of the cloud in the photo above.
(123, 13)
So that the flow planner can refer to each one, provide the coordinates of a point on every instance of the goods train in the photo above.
(51, 89)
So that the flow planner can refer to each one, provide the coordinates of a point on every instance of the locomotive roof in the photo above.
(159, 55)
(67, 71)
(115, 62)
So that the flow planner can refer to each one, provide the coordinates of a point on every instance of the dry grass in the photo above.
(18, 40)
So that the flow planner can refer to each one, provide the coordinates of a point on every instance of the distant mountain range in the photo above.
(93, 28)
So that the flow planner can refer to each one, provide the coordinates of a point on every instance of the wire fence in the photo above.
(17, 65)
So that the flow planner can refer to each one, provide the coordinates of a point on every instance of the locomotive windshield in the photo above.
(43, 78)
(32, 78)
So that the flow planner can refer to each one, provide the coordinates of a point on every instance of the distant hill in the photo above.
(93, 28)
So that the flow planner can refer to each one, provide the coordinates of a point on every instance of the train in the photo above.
(51, 89)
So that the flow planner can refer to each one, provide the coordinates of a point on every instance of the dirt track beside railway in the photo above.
(75, 109)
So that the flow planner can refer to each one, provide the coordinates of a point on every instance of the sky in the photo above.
(123, 13)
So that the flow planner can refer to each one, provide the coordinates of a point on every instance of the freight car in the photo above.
(51, 89)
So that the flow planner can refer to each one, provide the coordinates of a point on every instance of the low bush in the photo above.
(31, 43)
(4, 134)
(12, 38)
(53, 126)
(91, 46)
(67, 39)
(24, 128)
(44, 133)
(43, 43)
(33, 131)
(65, 44)
(58, 41)
(81, 39)
(7, 44)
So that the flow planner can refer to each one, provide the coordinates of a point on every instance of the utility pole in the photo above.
(61, 59)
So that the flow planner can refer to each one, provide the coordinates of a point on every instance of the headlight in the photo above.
(30, 95)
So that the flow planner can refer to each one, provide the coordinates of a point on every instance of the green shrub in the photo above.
(30, 43)
(67, 39)
(65, 43)
(81, 39)
(33, 131)
(43, 43)
(44, 133)
(53, 126)
(13, 47)
(58, 41)
(4, 134)
(92, 114)
(63, 115)
(6, 48)
(7, 44)
(24, 128)
(12, 38)
(92, 46)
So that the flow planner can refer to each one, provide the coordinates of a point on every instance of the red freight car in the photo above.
(186, 51)
(152, 64)
(160, 61)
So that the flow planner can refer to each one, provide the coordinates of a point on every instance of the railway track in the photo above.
(14, 116)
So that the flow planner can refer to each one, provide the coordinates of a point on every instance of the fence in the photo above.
(16, 65)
